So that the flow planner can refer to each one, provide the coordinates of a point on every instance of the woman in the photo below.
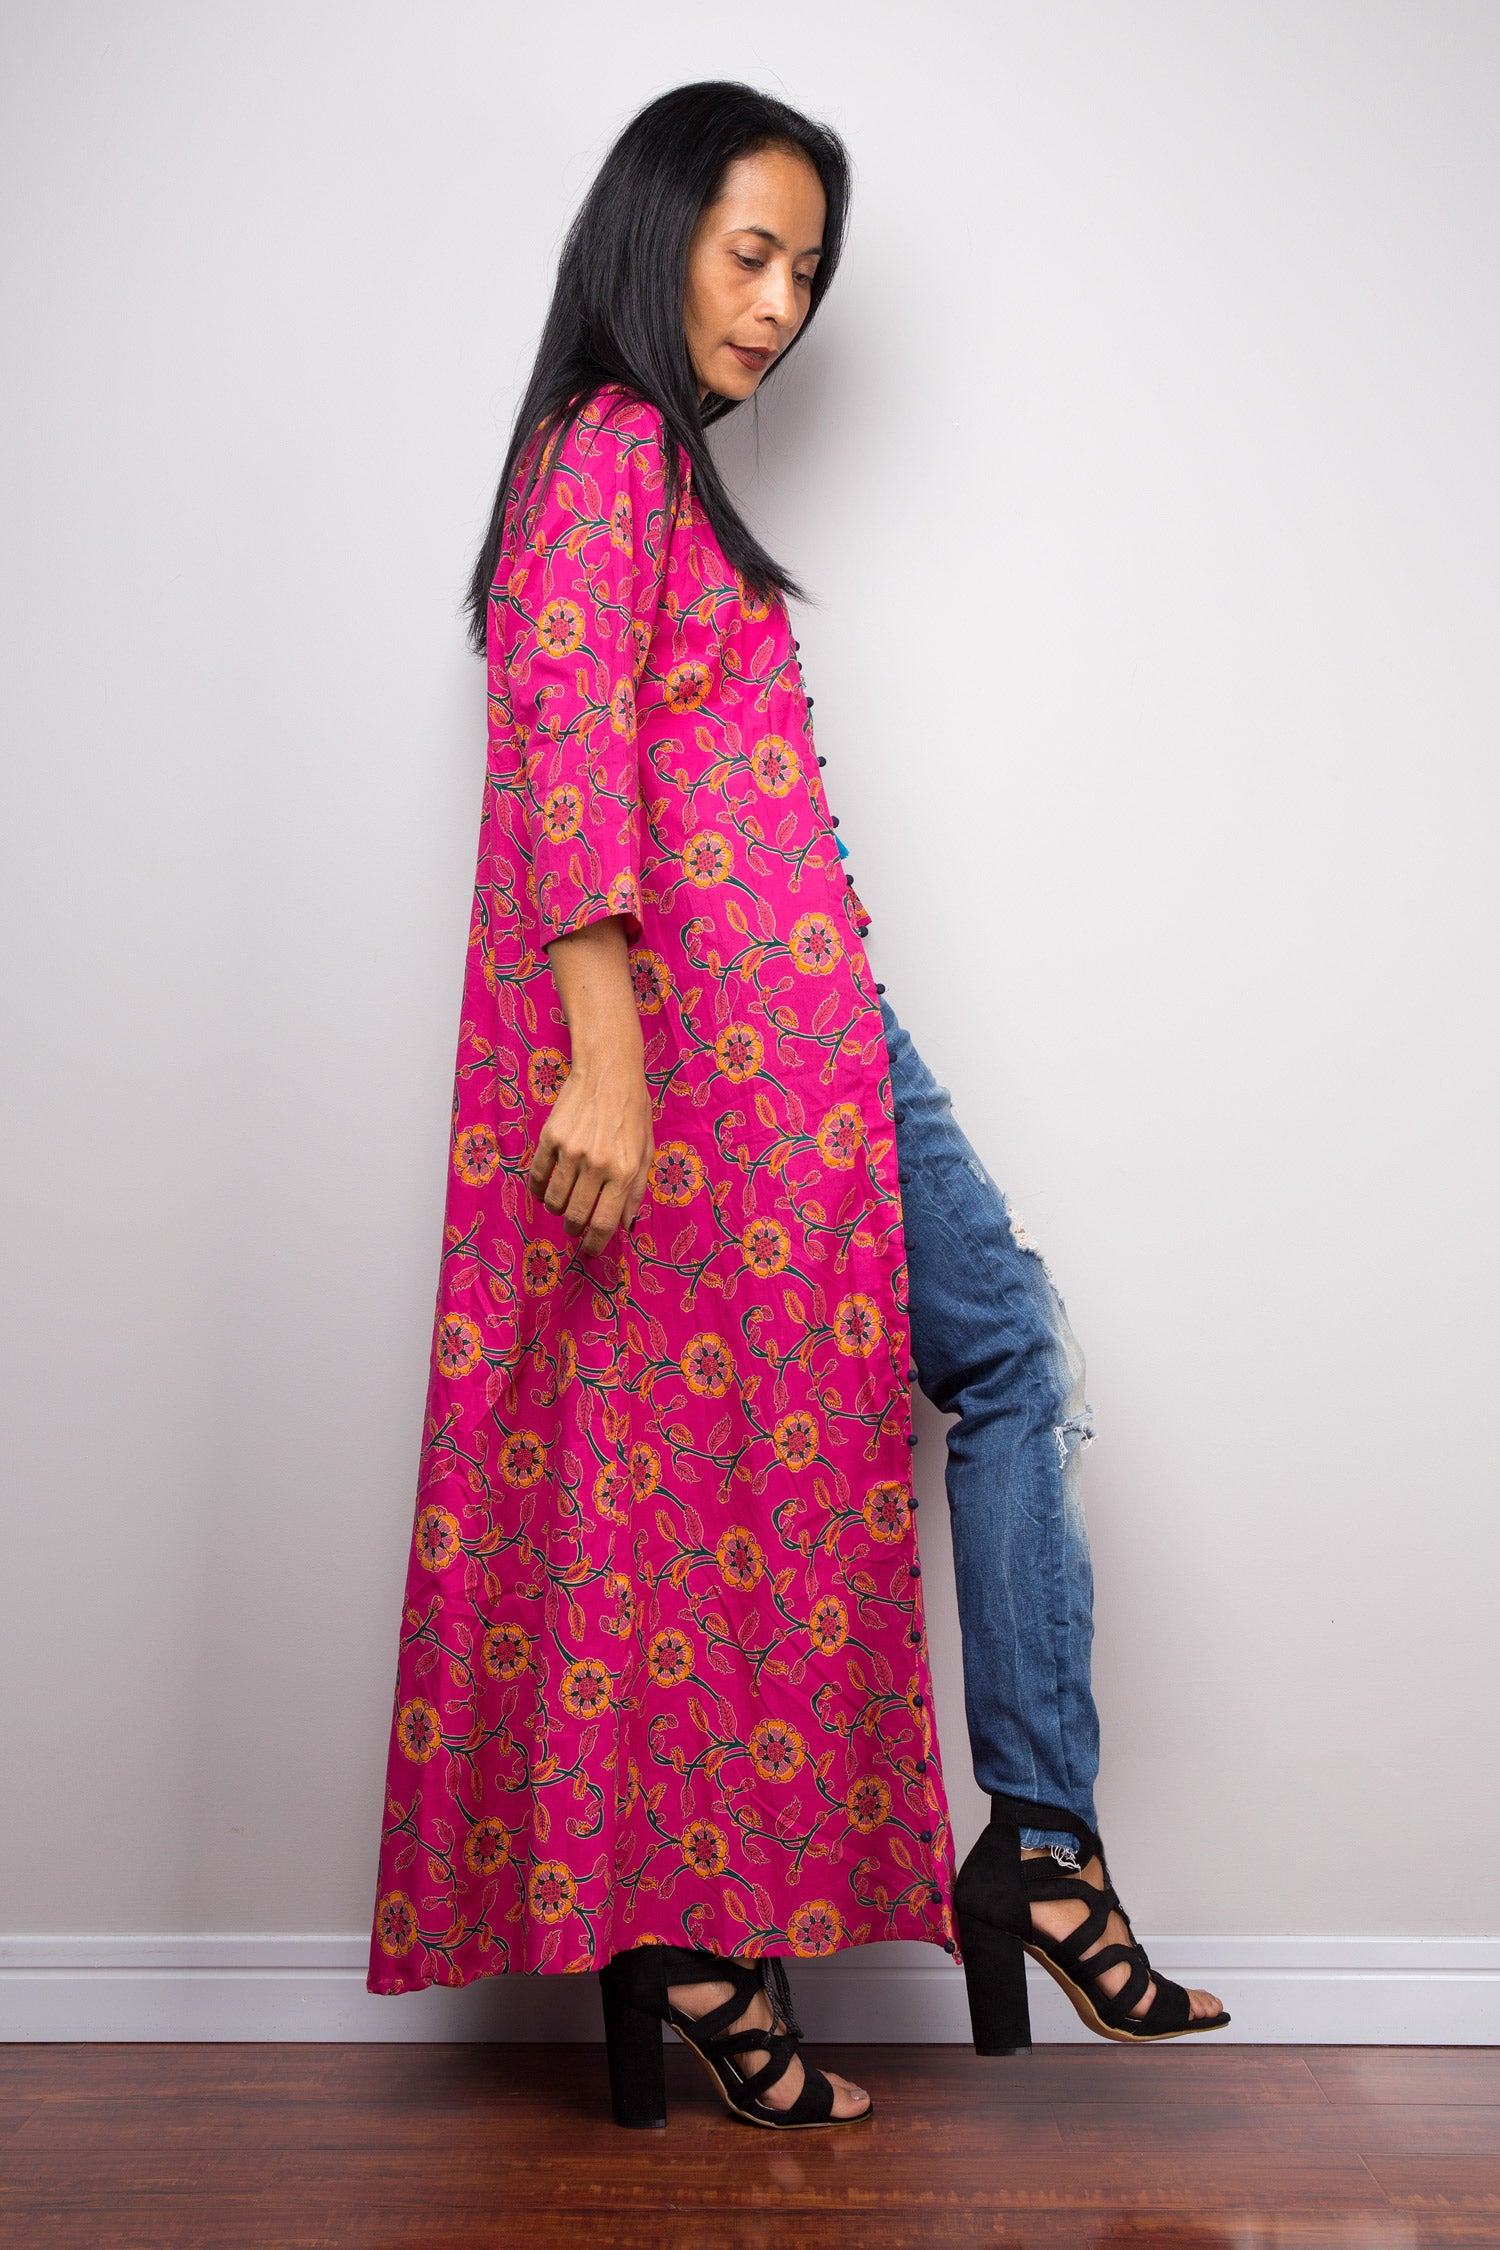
(663, 1706)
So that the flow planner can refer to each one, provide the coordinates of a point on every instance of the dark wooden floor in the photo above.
(455, 2147)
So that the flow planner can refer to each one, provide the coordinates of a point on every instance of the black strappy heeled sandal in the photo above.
(993, 1898)
(634, 1991)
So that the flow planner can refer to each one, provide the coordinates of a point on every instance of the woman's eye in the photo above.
(744, 261)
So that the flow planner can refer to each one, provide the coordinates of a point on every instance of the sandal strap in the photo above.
(1170, 2010)
(711, 2035)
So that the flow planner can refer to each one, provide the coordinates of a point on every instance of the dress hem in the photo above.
(478, 1976)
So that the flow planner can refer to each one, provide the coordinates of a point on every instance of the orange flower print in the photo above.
(547, 1073)
(828, 1624)
(458, 1345)
(619, 522)
(754, 607)
(887, 1511)
(551, 1892)
(609, 1491)
(841, 1136)
(640, 641)
(676, 1174)
(687, 685)
(622, 708)
(774, 765)
(418, 1730)
(705, 1849)
(815, 1928)
(707, 859)
(738, 1051)
(586, 1689)
(816, 946)
(669, 1658)
(567, 1361)
(857, 1326)
(523, 1457)
(396, 1923)
(506, 1652)
(624, 898)
(796, 1439)
(740, 1559)
(868, 1804)
(645, 1470)
(487, 1848)
(560, 628)
(707, 1366)
(476, 1155)
(541, 1269)
(437, 1539)
(650, 980)
(620, 1591)
(766, 1246)
(776, 1748)
(562, 814)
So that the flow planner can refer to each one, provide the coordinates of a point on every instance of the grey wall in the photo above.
(1144, 463)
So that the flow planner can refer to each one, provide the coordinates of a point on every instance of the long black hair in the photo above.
(617, 310)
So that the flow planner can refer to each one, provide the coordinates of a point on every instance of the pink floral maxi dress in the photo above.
(663, 1671)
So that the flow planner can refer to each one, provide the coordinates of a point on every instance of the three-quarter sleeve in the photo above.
(572, 615)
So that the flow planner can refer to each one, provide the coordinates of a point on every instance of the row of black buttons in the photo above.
(911, 1374)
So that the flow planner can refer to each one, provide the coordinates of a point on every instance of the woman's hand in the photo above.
(594, 1152)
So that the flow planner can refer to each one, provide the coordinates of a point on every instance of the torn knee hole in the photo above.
(1072, 1436)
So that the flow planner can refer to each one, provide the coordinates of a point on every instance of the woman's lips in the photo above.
(752, 359)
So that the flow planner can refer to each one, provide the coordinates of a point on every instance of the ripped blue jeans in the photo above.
(991, 1344)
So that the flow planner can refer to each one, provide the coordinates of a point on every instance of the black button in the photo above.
(916, 1571)
(904, 1178)
(812, 699)
(925, 1837)
(898, 1116)
(936, 1897)
(911, 1437)
(822, 761)
(948, 1945)
(880, 988)
(921, 1765)
(833, 820)
(916, 1701)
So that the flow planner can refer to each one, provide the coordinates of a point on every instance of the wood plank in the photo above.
(1407, 2074)
(1359, 2128)
(1440, 2183)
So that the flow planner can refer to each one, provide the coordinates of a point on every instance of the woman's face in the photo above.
(750, 267)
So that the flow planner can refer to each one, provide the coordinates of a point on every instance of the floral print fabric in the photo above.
(663, 1671)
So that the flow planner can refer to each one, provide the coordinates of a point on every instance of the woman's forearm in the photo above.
(594, 1152)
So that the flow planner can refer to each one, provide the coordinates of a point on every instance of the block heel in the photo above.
(995, 1971)
(632, 2043)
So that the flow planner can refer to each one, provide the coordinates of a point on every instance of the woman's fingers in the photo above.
(592, 1194)
(638, 1186)
(605, 1218)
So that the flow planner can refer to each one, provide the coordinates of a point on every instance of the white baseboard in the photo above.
(1318, 1991)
